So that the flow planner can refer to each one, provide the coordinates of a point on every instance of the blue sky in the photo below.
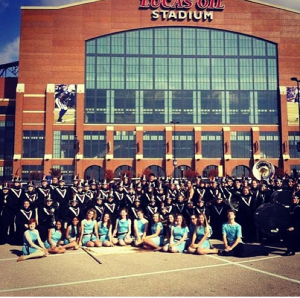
(10, 21)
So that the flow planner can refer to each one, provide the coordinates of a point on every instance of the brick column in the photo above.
(18, 146)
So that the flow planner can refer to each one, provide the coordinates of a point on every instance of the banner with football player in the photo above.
(292, 98)
(65, 103)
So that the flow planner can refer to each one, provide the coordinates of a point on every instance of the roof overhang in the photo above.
(61, 6)
(91, 1)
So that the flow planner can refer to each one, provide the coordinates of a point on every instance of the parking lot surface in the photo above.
(125, 271)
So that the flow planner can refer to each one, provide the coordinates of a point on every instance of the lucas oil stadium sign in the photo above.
(180, 9)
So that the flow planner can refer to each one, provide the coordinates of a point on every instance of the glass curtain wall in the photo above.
(193, 75)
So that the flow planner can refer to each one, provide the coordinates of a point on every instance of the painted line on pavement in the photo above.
(240, 264)
(110, 278)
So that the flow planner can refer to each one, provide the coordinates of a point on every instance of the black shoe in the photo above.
(220, 252)
(288, 253)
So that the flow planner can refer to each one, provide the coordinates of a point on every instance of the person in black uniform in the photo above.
(44, 190)
(62, 197)
(72, 211)
(189, 210)
(152, 208)
(264, 194)
(112, 208)
(202, 208)
(98, 204)
(119, 195)
(47, 216)
(218, 215)
(82, 198)
(93, 187)
(247, 207)
(31, 195)
(179, 205)
(73, 188)
(54, 184)
(104, 189)
(9, 206)
(130, 196)
(17, 191)
(22, 218)
(293, 232)
(133, 210)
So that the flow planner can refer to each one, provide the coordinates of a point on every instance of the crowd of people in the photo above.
(170, 215)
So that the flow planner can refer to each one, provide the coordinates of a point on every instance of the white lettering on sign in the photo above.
(182, 15)
(182, 9)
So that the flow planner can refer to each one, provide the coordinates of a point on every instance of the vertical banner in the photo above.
(292, 98)
(65, 103)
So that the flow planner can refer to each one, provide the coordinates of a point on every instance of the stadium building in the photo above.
(175, 87)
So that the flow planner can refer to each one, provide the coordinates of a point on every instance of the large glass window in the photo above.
(153, 106)
(212, 144)
(32, 172)
(241, 144)
(184, 144)
(199, 75)
(124, 144)
(6, 173)
(64, 144)
(7, 134)
(269, 144)
(94, 144)
(33, 143)
(67, 171)
(294, 138)
(154, 144)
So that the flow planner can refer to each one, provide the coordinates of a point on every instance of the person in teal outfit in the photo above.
(105, 231)
(156, 239)
(200, 243)
(89, 230)
(72, 234)
(178, 237)
(55, 239)
(140, 228)
(122, 231)
(33, 247)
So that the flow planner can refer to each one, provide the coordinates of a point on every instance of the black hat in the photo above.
(93, 182)
(30, 183)
(79, 185)
(44, 179)
(61, 179)
(17, 179)
(5, 186)
(48, 198)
